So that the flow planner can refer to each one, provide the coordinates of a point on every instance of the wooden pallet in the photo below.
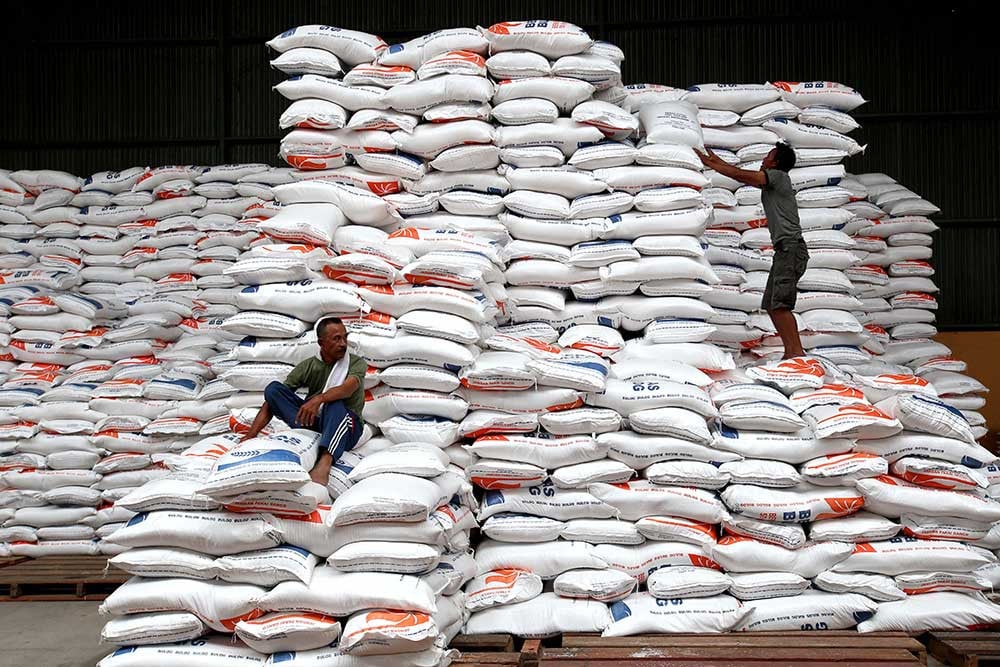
(965, 649)
(59, 578)
(489, 650)
(777, 649)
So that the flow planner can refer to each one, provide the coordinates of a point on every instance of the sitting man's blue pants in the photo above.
(339, 428)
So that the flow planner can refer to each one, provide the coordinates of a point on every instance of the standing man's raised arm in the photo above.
(713, 161)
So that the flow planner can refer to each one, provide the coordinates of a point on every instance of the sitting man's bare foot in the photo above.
(321, 471)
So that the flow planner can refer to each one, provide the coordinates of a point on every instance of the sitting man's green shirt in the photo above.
(314, 372)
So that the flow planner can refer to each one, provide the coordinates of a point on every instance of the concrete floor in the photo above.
(51, 634)
(66, 634)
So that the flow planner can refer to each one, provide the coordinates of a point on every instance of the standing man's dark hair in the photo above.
(784, 157)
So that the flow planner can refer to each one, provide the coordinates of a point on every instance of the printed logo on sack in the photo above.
(493, 498)
(857, 409)
(938, 404)
(841, 507)
(137, 519)
(252, 456)
(620, 610)
(395, 619)
(506, 578)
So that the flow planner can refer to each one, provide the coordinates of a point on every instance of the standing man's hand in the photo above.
(708, 158)
(309, 411)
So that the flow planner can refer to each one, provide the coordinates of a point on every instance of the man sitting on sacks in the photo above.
(790, 252)
(335, 397)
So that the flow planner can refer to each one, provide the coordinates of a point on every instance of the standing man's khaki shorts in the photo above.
(787, 267)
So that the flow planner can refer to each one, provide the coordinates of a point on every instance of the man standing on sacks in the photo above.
(335, 397)
(790, 252)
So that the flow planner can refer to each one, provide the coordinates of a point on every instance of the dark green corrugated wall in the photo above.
(94, 85)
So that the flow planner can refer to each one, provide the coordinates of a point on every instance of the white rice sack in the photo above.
(811, 609)
(766, 585)
(387, 632)
(218, 651)
(699, 355)
(677, 529)
(496, 474)
(388, 497)
(939, 474)
(306, 299)
(543, 616)
(546, 559)
(382, 351)
(790, 374)
(522, 528)
(912, 443)
(278, 462)
(166, 562)
(642, 613)
(162, 628)
(635, 500)
(216, 533)
(639, 561)
(602, 585)
(892, 497)
(947, 528)
(289, 631)
(677, 422)
(858, 527)
(878, 587)
(342, 593)
(500, 587)
(799, 504)
(787, 535)
(906, 554)
(760, 416)
(933, 611)
(928, 415)
(741, 554)
(267, 567)
(775, 474)
(579, 421)
(671, 123)
(418, 459)
(791, 448)
(547, 501)
(819, 93)
(686, 581)
(581, 475)
(359, 206)
(841, 469)
(548, 38)
(687, 473)
(220, 605)
(351, 46)
(546, 452)
(738, 98)
(629, 397)
(639, 451)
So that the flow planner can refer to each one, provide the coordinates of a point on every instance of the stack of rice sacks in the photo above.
(553, 297)
(107, 342)
(695, 425)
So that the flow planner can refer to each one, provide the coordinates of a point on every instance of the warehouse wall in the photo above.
(98, 85)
